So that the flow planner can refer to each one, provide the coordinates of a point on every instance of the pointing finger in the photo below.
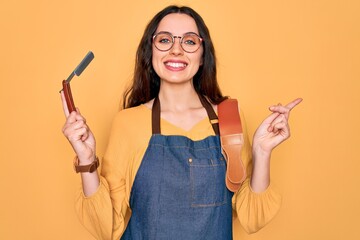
(292, 104)
(285, 109)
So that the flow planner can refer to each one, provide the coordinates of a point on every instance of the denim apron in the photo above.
(179, 191)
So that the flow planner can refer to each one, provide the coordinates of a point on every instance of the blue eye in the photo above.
(191, 39)
(164, 40)
(189, 42)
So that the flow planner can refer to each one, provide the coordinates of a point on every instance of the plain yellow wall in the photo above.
(268, 52)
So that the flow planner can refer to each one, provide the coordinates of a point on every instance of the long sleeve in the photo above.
(254, 210)
(103, 213)
(96, 212)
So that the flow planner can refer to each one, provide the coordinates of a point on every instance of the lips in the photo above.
(175, 65)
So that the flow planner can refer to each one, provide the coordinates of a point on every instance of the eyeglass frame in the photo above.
(180, 40)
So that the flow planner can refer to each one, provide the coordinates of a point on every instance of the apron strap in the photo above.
(211, 113)
(155, 115)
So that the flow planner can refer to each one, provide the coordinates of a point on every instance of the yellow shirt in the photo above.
(105, 213)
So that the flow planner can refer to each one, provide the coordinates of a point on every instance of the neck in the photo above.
(178, 97)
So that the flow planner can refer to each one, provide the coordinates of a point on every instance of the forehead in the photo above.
(177, 24)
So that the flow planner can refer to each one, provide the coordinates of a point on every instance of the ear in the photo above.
(202, 61)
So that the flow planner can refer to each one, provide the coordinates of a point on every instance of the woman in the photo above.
(163, 177)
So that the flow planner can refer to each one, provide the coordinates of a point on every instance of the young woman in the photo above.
(163, 174)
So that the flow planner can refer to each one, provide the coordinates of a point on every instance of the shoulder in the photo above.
(132, 120)
(134, 114)
(133, 123)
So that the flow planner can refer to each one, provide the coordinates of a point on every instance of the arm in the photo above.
(100, 203)
(83, 142)
(272, 131)
(256, 203)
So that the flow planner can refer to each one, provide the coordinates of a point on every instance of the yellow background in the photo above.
(268, 52)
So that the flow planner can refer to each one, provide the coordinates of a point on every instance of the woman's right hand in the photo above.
(79, 134)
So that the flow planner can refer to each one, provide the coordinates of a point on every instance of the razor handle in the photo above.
(68, 96)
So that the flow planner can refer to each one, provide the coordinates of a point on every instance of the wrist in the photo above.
(86, 167)
(260, 154)
(85, 160)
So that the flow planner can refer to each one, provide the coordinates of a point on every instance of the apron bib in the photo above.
(179, 191)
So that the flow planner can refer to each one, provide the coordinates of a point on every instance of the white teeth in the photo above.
(176, 64)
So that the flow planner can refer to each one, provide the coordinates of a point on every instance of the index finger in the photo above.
(292, 104)
(64, 104)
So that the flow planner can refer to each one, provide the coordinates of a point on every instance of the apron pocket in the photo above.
(207, 178)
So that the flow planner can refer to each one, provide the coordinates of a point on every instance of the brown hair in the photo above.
(146, 83)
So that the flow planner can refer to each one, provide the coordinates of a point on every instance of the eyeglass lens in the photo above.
(190, 42)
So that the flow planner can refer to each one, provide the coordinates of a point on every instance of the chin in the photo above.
(176, 80)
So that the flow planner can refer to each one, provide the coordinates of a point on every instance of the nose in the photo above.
(176, 49)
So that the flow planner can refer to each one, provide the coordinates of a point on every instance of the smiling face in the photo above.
(176, 65)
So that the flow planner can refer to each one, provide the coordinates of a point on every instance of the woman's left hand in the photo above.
(274, 129)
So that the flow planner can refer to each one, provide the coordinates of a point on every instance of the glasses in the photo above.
(190, 42)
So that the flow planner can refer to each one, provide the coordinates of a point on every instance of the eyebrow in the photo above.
(176, 35)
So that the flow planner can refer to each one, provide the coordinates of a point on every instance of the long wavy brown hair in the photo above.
(146, 83)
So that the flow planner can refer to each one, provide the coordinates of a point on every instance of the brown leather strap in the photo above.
(232, 141)
(156, 111)
(230, 121)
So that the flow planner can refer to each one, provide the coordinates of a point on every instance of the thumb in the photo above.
(271, 118)
(64, 104)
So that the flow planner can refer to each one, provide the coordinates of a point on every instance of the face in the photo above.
(176, 65)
